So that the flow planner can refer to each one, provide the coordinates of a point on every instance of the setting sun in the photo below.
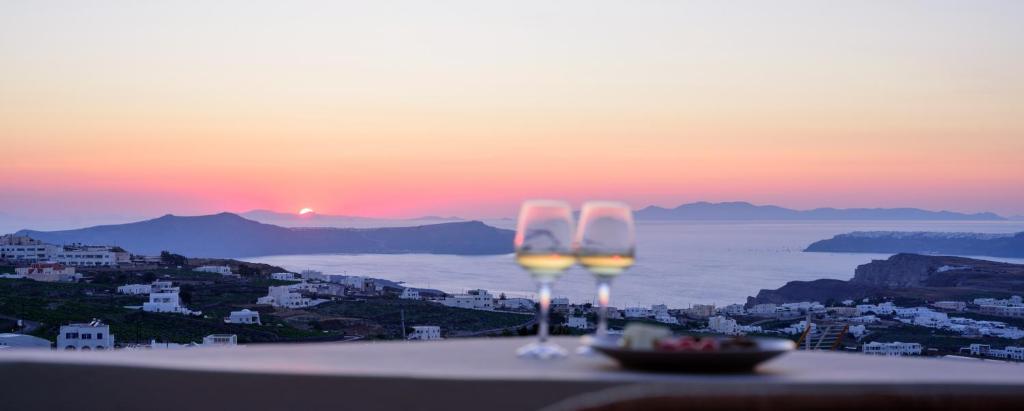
(306, 210)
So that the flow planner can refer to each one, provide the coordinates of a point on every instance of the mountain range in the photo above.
(747, 211)
(994, 245)
(228, 235)
(314, 219)
(737, 210)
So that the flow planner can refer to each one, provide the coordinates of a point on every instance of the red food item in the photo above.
(684, 343)
(708, 344)
(665, 344)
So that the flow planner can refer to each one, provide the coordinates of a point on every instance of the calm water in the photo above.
(679, 263)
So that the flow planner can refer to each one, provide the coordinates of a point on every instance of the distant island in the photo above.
(314, 219)
(230, 235)
(913, 276)
(747, 211)
(995, 245)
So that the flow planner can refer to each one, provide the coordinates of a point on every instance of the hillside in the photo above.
(47, 306)
(747, 211)
(995, 245)
(908, 276)
(227, 235)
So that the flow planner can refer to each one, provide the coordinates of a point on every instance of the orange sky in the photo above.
(464, 109)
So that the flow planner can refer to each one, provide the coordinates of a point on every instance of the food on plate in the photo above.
(638, 336)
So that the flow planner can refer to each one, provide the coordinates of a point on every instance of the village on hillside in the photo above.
(91, 297)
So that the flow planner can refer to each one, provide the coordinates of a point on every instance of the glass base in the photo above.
(586, 351)
(588, 340)
(541, 351)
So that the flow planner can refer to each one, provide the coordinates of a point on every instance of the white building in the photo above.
(246, 316)
(1003, 310)
(166, 302)
(857, 331)
(764, 310)
(1014, 353)
(163, 286)
(474, 300)
(803, 306)
(637, 312)
(699, 311)
(220, 340)
(985, 350)
(85, 336)
(573, 321)
(425, 332)
(842, 311)
(723, 325)
(799, 328)
(154, 345)
(48, 272)
(410, 294)
(1012, 301)
(215, 269)
(659, 309)
(90, 256)
(932, 319)
(666, 318)
(331, 289)
(135, 289)
(886, 308)
(284, 277)
(26, 250)
(355, 282)
(950, 305)
(312, 275)
(864, 319)
(284, 297)
(560, 304)
(733, 309)
(17, 341)
(515, 304)
(891, 349)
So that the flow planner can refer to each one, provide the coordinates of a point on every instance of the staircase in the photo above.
(825, 338)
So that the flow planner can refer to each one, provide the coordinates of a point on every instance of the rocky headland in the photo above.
(995, 245)
(909, 276)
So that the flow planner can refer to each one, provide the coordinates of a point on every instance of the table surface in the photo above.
(494, 359)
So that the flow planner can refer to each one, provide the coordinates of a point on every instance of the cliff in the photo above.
(910, 276)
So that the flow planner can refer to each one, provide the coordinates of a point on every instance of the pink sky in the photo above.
(143, 110)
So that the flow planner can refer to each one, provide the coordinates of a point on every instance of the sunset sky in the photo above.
(403, 109)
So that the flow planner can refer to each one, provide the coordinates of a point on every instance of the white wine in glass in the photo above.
(543, 245)
(605, 246)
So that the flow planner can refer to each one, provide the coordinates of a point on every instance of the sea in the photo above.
(679, 263)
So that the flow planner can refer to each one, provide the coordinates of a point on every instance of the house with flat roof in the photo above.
(245, 316)
(93, 335)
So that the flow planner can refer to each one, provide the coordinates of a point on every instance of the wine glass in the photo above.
(605, 245)
(543, 245)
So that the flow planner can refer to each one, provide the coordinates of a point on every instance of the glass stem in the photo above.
(604, 290)
(544, 293)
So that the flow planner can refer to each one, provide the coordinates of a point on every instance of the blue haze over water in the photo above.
(679, 263)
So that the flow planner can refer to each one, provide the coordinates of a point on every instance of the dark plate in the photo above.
(730, 361)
